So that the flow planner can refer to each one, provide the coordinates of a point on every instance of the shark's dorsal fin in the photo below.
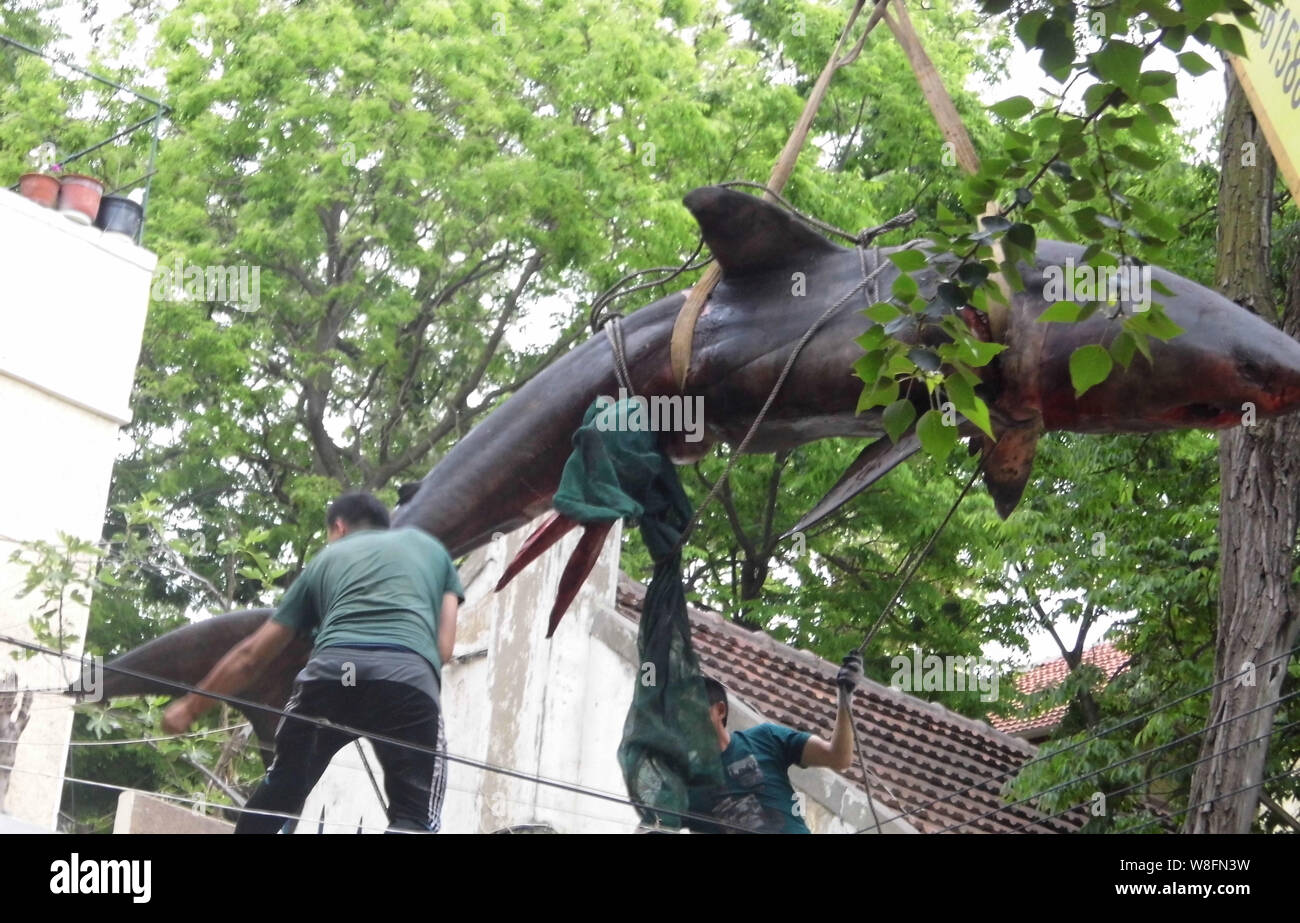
(872, 463)
(746, 234)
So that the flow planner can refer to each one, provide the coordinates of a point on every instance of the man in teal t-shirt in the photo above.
(381, 607)
(757, 760)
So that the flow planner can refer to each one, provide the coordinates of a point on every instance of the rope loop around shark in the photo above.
(505, 471)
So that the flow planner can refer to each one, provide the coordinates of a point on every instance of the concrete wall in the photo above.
(72, 311)
(137, 813)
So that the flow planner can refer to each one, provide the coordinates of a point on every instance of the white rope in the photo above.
(204, 803)
(116, 743)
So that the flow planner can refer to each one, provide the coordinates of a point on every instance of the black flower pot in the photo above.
(120, 215)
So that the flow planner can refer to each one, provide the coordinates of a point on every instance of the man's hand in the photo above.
(179, 716)
(837, 753)
(850, 674)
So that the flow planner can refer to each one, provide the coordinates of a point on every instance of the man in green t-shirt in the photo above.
(757, 760)
(382, 606)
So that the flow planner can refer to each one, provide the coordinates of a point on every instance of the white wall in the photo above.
(72, 312)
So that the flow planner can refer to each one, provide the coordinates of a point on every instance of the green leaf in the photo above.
(981, 352)
(1123, 348)
(897, 417)
(960, 392)
(1027, 27)
(978, 413)
(873, 338)
(1137, 158)
(875, 396)
(1089, 365)
(1022, 235)
(1056, 38)
(972, 273)
(908, 260)
(924, 359)
(882, 312)
(936, 437)
(868, 367)
(1158, 324)
(1061, 169)
(1194, 64)
(1062, 312)
(1120, 63)
(1228, 38)
(1013, 108)
(904, 287)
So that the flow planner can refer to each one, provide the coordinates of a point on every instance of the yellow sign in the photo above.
(1270, 75)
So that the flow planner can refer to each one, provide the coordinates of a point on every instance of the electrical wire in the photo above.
(1125, 761)
(383, 738)
(1081, 743)
(1168, 772)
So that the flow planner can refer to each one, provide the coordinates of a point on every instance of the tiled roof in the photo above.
(944, 767)
(1105, 656)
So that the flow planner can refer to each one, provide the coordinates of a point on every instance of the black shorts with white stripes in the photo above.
(414, 779)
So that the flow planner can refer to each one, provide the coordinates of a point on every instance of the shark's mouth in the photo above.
(1204, 416)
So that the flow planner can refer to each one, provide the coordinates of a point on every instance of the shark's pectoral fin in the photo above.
(872, 463)
(746, 234)
(1008, 463)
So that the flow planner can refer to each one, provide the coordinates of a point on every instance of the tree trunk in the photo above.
(1259, 500)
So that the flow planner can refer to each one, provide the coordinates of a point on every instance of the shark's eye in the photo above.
(1250, 372)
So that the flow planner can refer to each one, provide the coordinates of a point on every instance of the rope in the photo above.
(1081, 743)
(846, 702)
(236, 809)
(598, 316)
(867, 279)
(916, 563)
(374, 783)
(383, 738)
(614, 333)
(118, 743)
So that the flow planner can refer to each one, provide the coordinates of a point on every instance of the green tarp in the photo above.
(669, 753)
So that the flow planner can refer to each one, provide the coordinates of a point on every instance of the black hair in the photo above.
(717, 693)
(358, 510)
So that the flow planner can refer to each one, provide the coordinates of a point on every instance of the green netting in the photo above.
(669, 754)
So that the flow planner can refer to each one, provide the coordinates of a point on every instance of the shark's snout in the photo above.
(1227, 367)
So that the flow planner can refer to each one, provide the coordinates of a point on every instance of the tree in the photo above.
(1259, 505)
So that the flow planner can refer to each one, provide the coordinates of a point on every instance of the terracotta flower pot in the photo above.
(79, 197)
(41, 188)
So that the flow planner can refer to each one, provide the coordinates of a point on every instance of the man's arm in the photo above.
(231, 675)
(447, 626)
(837, 753)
